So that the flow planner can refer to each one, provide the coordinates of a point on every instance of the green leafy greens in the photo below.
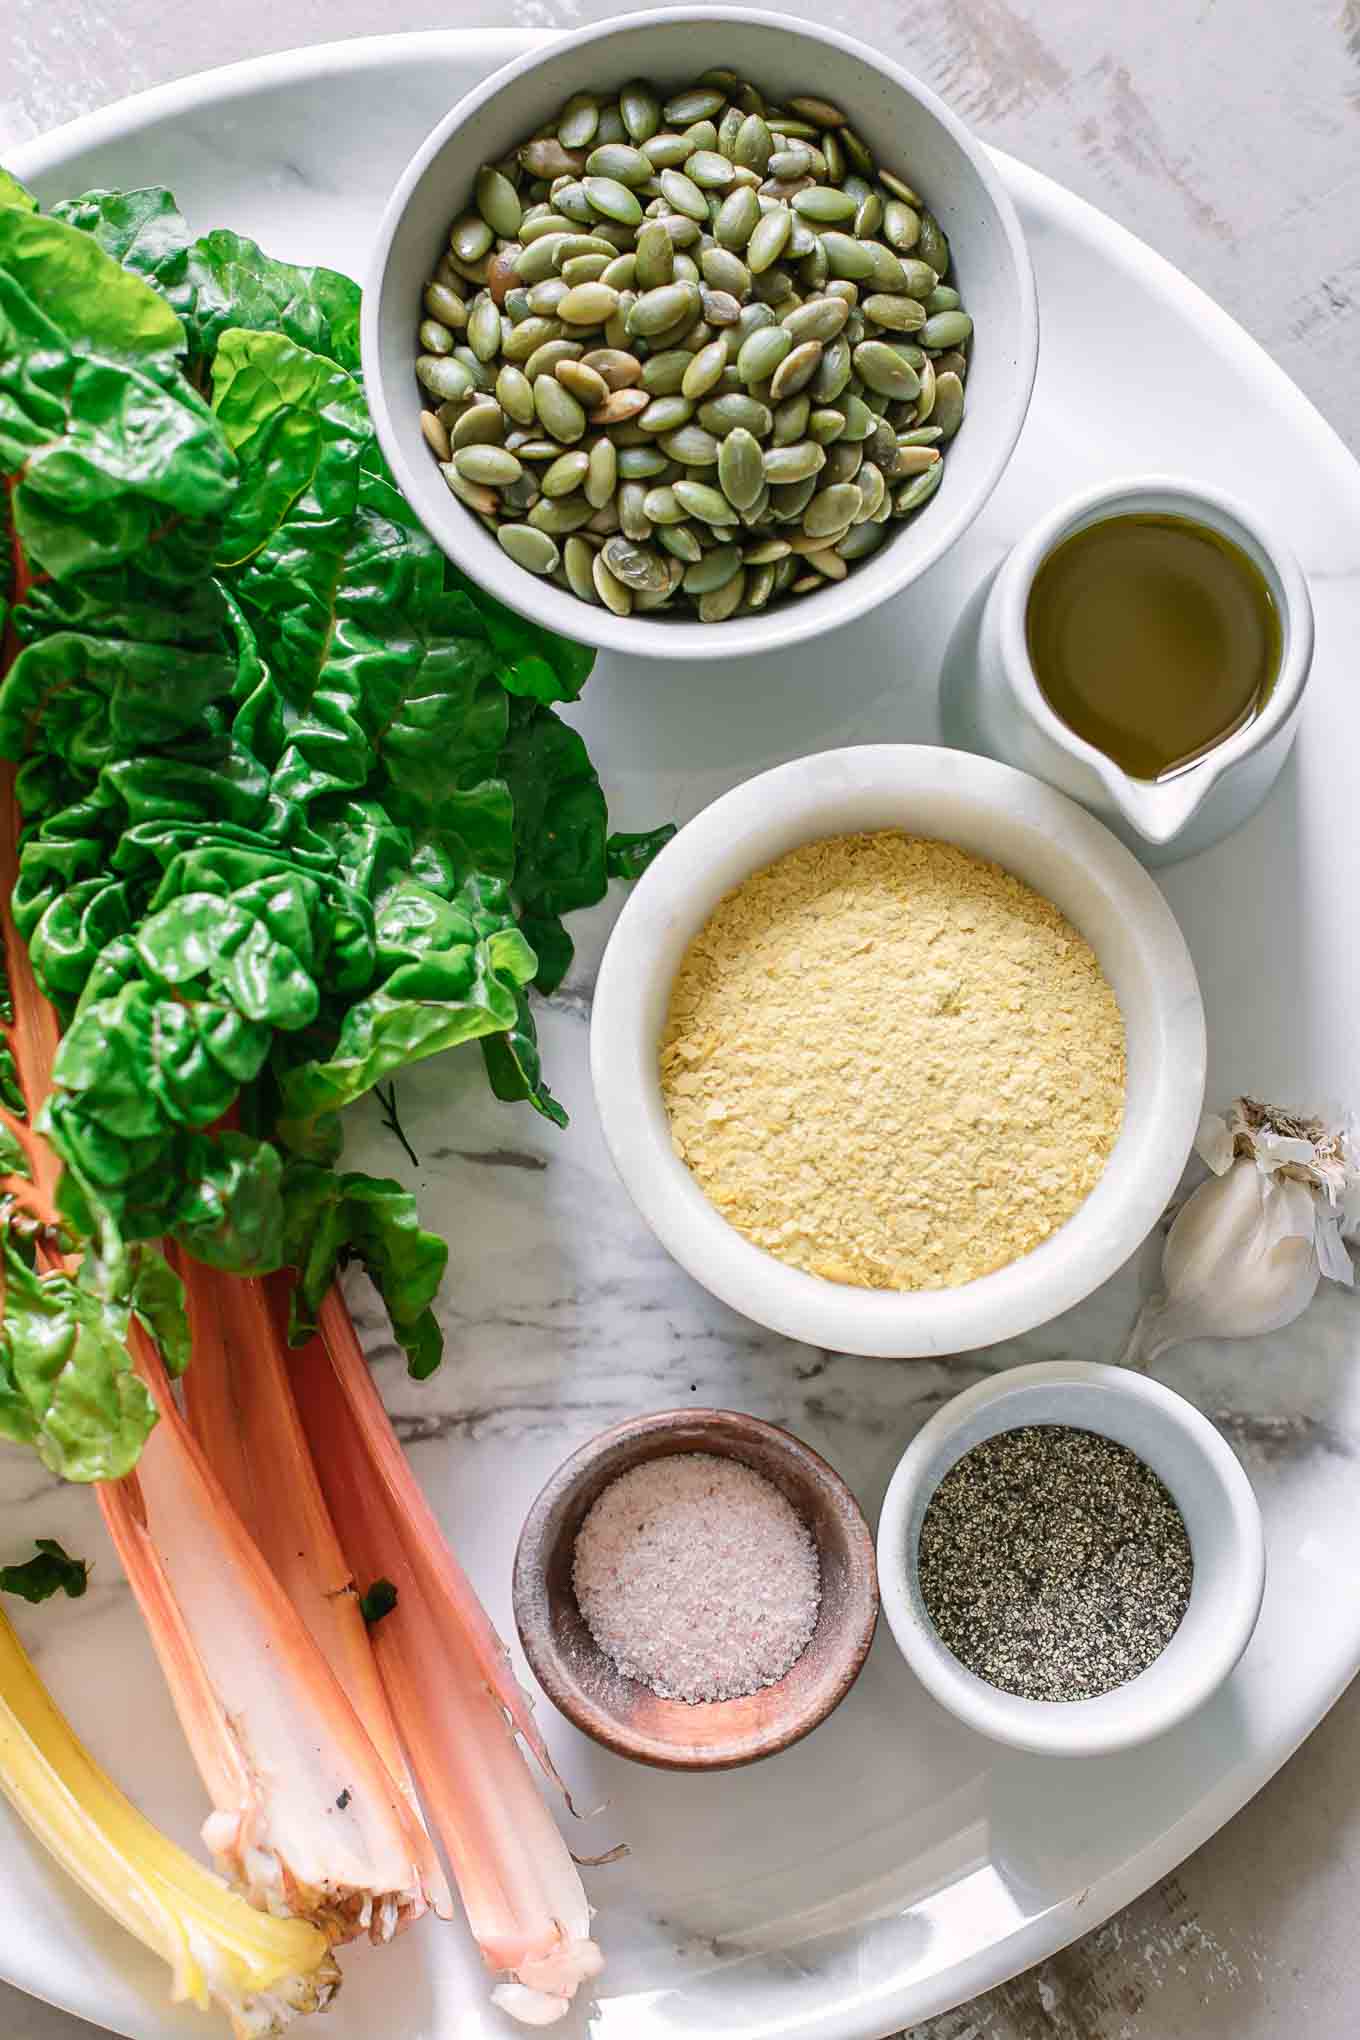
(51, 1570)
(298, 808)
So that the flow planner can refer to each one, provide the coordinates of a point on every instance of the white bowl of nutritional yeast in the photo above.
(1041, 837)
(1222, 1522)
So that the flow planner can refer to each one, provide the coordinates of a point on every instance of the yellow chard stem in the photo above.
(220, 1950)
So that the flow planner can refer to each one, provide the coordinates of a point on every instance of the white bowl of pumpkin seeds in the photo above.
(653, 348)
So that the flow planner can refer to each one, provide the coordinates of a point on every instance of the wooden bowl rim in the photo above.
(572, 1489)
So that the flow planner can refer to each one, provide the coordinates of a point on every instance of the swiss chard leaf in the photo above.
(332, 1218)
(67, 1385)
(51, 1570)
(12, 192)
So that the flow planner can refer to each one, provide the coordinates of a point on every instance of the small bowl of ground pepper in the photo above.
(696, 1589)
(1072, 1558)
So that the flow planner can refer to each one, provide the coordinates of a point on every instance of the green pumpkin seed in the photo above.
(683, 196)
(664, 374)
(661, 506)
(498, 202)
(714, 570)
(668, 151)
(481, 424)
(633, 519)
(751, 149)
(484, 329)
(769, 238)
(721, 415)
(700, 102)
(759, 586)
(586, 385)
(547, 359)
(766, 552)
(588, 304)
(515, 395)
(639, 110)
(704, 370)
(901, 225)
(793, 463)
(948, 412)
(788, 500)
(443, 376)
(873, 487)
(795, 370)
(720, 308)
(918, 491)
(471, 237)
(946, 329)
(791, 419)
(619, 161)
(558, 515)
(741, 471)
(691, 445)
(566, 474)
(737, 218)
(436, 435)
(539, 260)
(824, 204)
(578, 121)
(884, 371)
(859, 419)
(931, 246)
(869, 219)
(527, 447)
(635, 566)
(602, 469)
(476, 495)
(435, 337)
(446, 306)
(655, 257)
(578, 558)
(826, 424)
(609, 588)
(666, 414)
(723, 602)
(657, 310)
(762, 351)
(641, 463)
(612, 200)
(817, 318)
(898, 314)
(558, 408)
(489, 464)
(848, 258)
(915, 460)
(709, 170)
(725, 271)
(786, 165)
(528, 335)
(528, 548)
(681, 541)
(704, 502)
(942, 299)
(617, 369)
(571, 199)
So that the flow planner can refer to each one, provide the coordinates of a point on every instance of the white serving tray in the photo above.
(894, 1864)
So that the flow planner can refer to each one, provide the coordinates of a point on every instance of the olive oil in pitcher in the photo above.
(1154, 638)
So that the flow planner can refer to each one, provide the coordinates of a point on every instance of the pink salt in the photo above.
(697, 1577)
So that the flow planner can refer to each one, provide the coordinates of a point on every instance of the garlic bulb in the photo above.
(1246, 1251)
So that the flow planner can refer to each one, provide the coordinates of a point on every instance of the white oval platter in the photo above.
(894, 1865)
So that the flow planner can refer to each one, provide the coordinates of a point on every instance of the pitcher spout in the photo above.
(1159, 811)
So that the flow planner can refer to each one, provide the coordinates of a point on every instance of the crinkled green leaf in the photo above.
(96, 305)
(51, 1570)
(223, 279)
(331, 1218)
(628, 856)
(12, 192)
(13, 1159)
(67, 1385)
(514, 1066)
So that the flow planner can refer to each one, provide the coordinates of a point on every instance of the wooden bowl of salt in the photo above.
(697, 1644)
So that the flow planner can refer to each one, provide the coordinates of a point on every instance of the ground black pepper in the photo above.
(1054, 1563)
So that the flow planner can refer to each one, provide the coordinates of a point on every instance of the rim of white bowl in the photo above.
(904, 785)
(1230, 1580)
(875, 581)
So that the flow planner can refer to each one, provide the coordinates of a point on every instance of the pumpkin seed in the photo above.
(762, 351)
(612, 200)
(602, 470)
(609, 588)
(656, 310)
(443, 376)
(720, 308)
(619, 161)
(578, 559)
(918, 491)
(885, 371)
(741, 469)
(793, 463)
(435, 434)
(847, 257)
(723, 414)
(752, 146)
(714, 570)
(737, 218)
(702, 501)
(527, 547)
(709, 170)
(700, 102)
(619, 406)
(916, 460)
(826, 425)
(566, 474)
(704, 370)
(446, 306)
(721, 603)
(948, 412)
(817, 318)
(898, 314)
(639, 110)
(471, 237)
(946, 329)
(476, 495)
(578, 121)
(515, 394)
(588, 387)
(557, 515)
(795, 369)
(547, 359)
(435, 337)
(691, 446)
(635, 566)
(482, 424)
(617, 369)
(588, 304)
(931, 246)
(633, 519)
(558, 408)
(666, 414)
(791, 416)
(681, 541)
(825, 204)
(498, 202)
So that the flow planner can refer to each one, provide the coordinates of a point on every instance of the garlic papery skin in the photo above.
(1247, 1249)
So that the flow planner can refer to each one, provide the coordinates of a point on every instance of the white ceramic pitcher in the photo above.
(992, 702)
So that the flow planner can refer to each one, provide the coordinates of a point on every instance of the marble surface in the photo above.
(1225, 1946)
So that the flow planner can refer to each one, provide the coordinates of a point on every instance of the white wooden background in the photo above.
(1227, 133)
